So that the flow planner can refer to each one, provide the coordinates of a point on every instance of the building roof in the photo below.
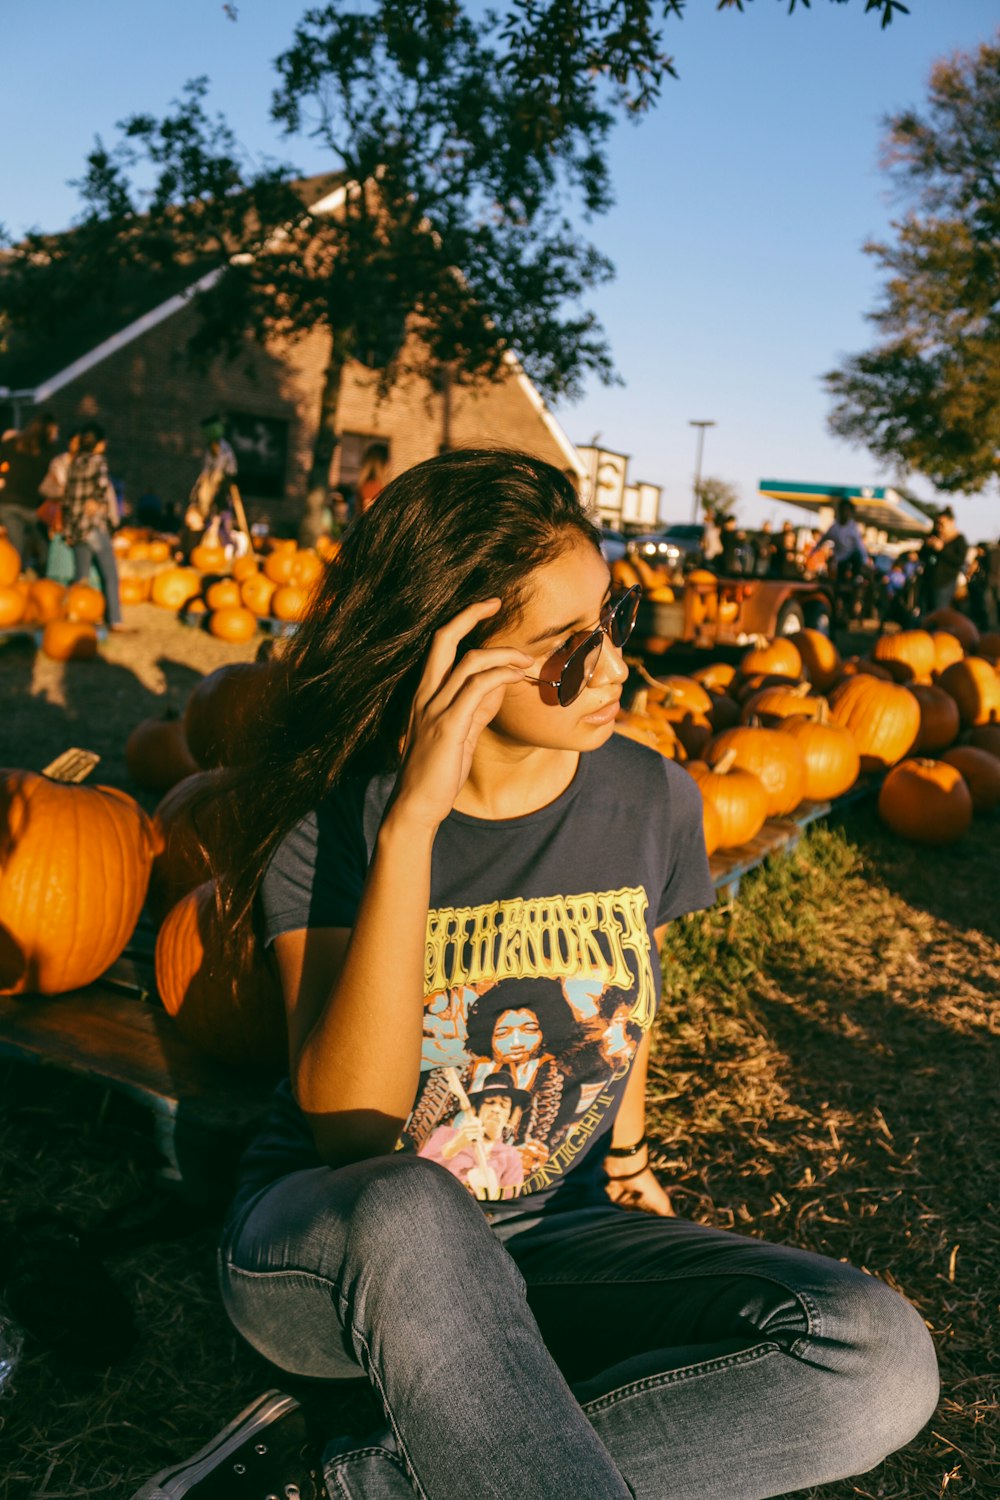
(888, 509)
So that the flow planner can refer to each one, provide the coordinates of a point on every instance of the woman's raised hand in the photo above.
(451, 707)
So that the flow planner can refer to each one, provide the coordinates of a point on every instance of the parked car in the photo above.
(614, 544)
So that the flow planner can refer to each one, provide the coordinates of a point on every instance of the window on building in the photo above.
(261, 448)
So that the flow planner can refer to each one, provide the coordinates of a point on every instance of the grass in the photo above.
(825, 1072)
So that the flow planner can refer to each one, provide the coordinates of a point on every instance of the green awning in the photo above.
(876, 505)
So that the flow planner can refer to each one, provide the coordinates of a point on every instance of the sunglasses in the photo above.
(616, 622)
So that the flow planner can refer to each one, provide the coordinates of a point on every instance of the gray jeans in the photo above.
(593, 1354)
(96, 547)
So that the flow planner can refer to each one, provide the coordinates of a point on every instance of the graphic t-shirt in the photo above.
(541, 974)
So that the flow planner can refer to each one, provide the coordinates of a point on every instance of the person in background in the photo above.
(849, 554)
(711, 538)
(24, 462)
(942, 557)
(733, 543)
(214, 505)
(979, 588)
(993, 577)
(763, 550)
(787, 563)
(372, 476)
(814, 559)
(87, 517)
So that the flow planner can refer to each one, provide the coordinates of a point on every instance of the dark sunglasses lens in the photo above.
(579, 669)
(622, 621)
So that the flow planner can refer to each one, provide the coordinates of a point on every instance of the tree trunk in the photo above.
(325, 446)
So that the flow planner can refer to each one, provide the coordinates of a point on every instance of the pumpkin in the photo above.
(76, 862)
(222, 711)
(975, 687)
(328, 548)
(737, 797)
(175, 586)
(157, 754)
(651, 578)
(235, 1015)
(986, 737)
(69, 640)
(12, 605)
(939, 721)
(193, 608)
(909, 655)
(701, 596)
(661, 595)
(883, 718)
(82, 602)
(772, 704)
(233, 625)
(711, 826)
(947, 649)
(820, 659)
(223, 594)
(49, 596)
(989, 646)
(208, 557)
(955, 624)
(32, 614)
(244, 567)
(780, 656)
(278, 566)
(624, 576)
(194, 817)
(10, 563)
(774, 758)
(717, 677)
(860, 666)
(138, 552)
(926, 801)
(680, 692)
(133, 589)
(981, 773)
(257, 592)
(159, 550)
(752, 685)
(724, 713)
(655, 733)
(289, 602)
(830, 756)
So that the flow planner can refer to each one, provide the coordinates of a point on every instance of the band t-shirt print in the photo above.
(541, 974)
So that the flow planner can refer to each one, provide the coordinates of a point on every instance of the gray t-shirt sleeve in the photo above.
(689, 884)
(317, 872)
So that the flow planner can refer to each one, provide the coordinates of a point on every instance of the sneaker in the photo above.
(264, 1454)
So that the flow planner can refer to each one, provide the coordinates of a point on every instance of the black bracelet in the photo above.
(625, 1176)
(628, 1150)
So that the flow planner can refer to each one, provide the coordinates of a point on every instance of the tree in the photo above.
(718, 496)
(927, 396)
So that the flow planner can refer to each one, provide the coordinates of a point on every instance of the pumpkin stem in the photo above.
(647, 677)
(640, 702)
(72, 765)
(724, 763)
(823, 712)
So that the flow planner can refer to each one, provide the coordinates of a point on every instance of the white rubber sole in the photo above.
(174, 1482)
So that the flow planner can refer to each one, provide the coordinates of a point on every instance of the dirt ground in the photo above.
(825, 1073)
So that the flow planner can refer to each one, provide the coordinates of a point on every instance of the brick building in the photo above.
(131, 374)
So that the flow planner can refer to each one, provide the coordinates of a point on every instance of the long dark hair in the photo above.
(469, 525)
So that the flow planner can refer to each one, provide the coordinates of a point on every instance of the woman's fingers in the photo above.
(474, 664)
(445, 644)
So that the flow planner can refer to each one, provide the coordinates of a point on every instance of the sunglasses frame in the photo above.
(596, 638)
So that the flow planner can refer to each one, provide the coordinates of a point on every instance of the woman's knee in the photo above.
(403, 1205)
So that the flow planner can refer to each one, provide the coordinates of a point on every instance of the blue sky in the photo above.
(741, 204)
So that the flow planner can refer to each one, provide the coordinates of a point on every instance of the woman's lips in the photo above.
(604, 715)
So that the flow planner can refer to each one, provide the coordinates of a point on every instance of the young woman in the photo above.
(465, 879)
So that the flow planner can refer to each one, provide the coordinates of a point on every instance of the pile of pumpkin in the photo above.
(793, 722)
(231, 597)
(69, 617)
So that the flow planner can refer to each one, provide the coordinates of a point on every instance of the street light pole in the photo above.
(697, 464)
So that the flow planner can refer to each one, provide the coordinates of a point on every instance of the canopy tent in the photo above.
(875, 505)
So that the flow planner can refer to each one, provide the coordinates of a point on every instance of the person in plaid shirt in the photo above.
(87, 517)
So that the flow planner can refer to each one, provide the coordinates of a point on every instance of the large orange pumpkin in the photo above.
(307, 568)
(159, 550)
(157, 754)
(175, 586)
(860, 666)
(737, 797)
(883, 718)
(772, 704)
(12, 605)
(49, 596)
(651, 730)
(717, 677)
(975, 687)
(711, 826)
(194, 818)
(780, 656)
(955, 624)
(926, 801)
(244, 567)
(278, 566)
(257, 592)
(234, 625)
(680, 692)
(10, 563)
(208, 558)
(236, 1017)
(774, 758)
(624, 575)
(224, 593)
(981, 773)
(939, 721)
(289, 602)
(909, 655)
(820, 659)
(830, 757)
(69, 640)
(758, 680)
(223, 710)
(82, 602)
(947, 649)
(75, 866)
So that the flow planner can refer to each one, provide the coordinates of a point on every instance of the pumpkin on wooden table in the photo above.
(223, 710)
(76, 862)
(939, 720)
(256, 593)
(12, 605)
(83, 602)
(981, 772)
(780, 657)
(772, 704)
(774, 758)
(10, 563)
(821, 661)
(278, 565)
(69, 640)
(863, 666)
(235, 624)
(50, 598)
(701, 596)
(157, 754)
(908, 655)
(883, 717)
(717, 677)
(975, 687)
(830, 755)
(684, 704)
(955, 624)
(289, 601)
(231, 1012)
(711, 824)
(757, 680)
(224, 593)
(926, 801)
(175, 586)
(307, 568)
(736, 796)
(195, 817)
(649, 729)
(947, 650)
